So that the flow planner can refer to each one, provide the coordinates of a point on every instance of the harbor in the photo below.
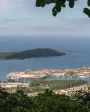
(78, 73)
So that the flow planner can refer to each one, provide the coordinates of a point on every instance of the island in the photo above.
(34, 53)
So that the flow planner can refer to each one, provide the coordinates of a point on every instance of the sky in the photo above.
(22, 18)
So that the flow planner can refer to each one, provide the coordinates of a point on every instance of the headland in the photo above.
(83, 72)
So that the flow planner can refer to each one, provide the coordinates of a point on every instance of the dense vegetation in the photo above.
(44, 102)
(45, 52)
(40, 85)
(83, 98)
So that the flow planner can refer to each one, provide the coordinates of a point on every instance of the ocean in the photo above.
(80, 47)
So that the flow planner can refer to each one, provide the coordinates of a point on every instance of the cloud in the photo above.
(39, 26)
(5, 5)
(3, 25)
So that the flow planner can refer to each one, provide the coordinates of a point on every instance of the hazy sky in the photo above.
(21, 17)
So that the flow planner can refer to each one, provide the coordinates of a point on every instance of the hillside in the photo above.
(39, 52)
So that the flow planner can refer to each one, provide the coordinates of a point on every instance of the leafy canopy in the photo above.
(47, 101)
(60, 4)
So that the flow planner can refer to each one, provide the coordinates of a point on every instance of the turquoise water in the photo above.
(80, 47)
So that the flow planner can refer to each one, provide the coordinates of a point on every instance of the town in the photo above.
(83, 72)
(11, 86)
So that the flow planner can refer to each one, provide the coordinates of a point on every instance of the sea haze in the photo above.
(80, 47)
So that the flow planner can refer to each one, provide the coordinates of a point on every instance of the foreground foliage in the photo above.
(44, 102)
(60, 4)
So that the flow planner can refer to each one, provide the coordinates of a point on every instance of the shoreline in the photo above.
(83, 72)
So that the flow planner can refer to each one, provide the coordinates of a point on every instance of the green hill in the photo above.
(39, 52)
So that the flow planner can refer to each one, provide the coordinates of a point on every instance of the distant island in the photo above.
(34, 53)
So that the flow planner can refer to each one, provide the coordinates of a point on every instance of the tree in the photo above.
(20, 109)
(47, 101)
(59, 4)
(83, 97)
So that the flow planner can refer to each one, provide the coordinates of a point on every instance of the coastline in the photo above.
(83, 72)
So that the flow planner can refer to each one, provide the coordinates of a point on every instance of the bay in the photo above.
(80, 47)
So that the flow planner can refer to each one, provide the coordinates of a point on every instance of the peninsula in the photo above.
(34, 53)
(83, 72)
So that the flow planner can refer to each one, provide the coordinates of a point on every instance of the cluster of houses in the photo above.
(13, 84)
(73, 90)
(68, 91)
(31, 74)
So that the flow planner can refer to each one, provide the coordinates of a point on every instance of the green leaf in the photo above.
(87, 11)
(38, 3)
(88, 3)
(63, 1)
(54, 13)
(58, 8)
(71, 3)
(54, 9)
(43, 4)
(63, 5)
(49, 1)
